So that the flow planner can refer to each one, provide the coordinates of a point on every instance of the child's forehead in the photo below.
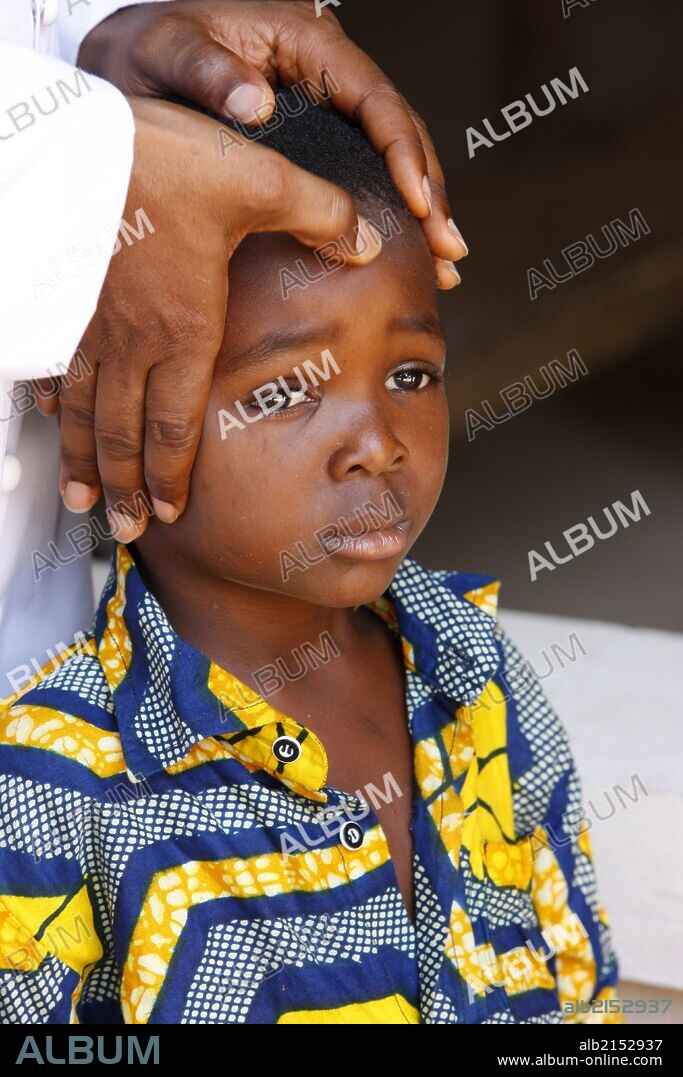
(277, 283)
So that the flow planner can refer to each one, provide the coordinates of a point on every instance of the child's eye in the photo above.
(280, 401)
(411, 379)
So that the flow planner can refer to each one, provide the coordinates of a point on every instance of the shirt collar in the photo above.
(168, 696)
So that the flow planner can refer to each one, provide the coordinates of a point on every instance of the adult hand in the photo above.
(224, 55)
(136, 420)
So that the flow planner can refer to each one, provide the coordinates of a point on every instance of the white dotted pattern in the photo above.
(240, 956)
(468, 657)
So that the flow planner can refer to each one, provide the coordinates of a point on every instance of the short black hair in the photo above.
(323, 142)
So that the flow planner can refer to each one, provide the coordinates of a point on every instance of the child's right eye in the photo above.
(280, 401)
(415, 377)
(410, 379)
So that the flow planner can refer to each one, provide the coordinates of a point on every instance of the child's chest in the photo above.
(383, 775)
(370, 752)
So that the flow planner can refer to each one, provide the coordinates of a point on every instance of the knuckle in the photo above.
(166, 487)
(75, 413)
(78, 463)
(189, 328)
(122, 499)
(377, 88)
(117, 444)
(198, 61)
(154, 36)
(174, 432)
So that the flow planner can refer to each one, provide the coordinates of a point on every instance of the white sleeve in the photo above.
(66, 152)
(79, 17)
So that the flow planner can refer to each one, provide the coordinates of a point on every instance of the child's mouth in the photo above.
(374, 545)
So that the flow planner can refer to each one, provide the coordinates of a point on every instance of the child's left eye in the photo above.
(280, 401)
(409, 379)
(283, 401)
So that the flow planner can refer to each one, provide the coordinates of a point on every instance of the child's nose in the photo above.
(370, 447)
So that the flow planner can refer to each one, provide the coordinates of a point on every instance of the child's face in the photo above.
(265, 497)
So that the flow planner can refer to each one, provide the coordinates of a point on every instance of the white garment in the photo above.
(66, 151)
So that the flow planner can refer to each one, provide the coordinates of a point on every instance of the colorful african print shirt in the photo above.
(170, 852)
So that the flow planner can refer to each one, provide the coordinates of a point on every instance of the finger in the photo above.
(79, 482)
(46, 393)
(275, 195)
(203, 71)
(119, 433)
(447, 275)
(361, 90)
(177, 394)
(443, 235)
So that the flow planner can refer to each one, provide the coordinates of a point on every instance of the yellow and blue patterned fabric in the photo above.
(143, 806)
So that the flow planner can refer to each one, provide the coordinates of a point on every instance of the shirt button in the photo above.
(11, 474)
(351, 836)
(286, 749)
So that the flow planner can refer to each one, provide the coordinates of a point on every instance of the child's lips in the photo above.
(375, 545)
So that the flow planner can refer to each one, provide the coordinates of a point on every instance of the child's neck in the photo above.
(242, 628)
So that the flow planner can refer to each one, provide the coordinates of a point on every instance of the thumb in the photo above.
(210, 75)
(271, 194)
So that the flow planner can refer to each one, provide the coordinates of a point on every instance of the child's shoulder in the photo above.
(67, 708)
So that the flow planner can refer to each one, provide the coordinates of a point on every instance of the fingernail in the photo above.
(123, 528)
(166, 512)
(367, 237)
(427, 191)
(450, 268)
(78, 497)
(453, 228)
(244, 100)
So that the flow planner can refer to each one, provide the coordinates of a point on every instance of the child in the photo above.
(294, 777)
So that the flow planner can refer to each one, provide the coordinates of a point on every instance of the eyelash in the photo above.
(296, 391)
(433, 375)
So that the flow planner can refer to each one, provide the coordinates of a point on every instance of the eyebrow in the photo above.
(281, 340)
(428, 324)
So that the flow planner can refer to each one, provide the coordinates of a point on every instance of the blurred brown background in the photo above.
(613, 149)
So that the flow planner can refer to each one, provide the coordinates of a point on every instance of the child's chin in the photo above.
(355, 584)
